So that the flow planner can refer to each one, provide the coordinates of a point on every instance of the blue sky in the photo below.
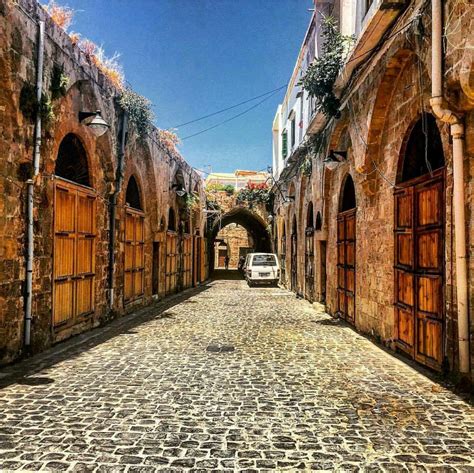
(193, 57)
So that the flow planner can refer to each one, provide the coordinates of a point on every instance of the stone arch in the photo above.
(377, 118)
(310, 215)
(422, 149)
(133, 195)
(251, 221)
(172, 219)
(319, 222)
(347, 196)
(72, 161)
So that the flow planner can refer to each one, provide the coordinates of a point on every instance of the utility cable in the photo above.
(231, 118)
(228, 108)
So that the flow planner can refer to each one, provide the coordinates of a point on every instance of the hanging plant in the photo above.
(59, 82)
(192, 202)
(321, 75)
(139, 111)
(307, 166)
(254, 194)
(29, 105)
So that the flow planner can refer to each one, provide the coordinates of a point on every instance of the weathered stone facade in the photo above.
(153, 167)
(237, 241)
(382, 104)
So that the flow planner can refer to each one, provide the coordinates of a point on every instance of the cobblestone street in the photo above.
(228, 377)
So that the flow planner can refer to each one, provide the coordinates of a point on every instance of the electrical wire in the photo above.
(231, 118)
(228, 108)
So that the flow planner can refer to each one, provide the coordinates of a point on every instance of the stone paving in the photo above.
(230, 378)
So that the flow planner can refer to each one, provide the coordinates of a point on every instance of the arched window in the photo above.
(171, 220)
(293, 226)
(132, 196)
(310, 216)
(424, 150)
(319, 222)
(348, 197)
(71, 163)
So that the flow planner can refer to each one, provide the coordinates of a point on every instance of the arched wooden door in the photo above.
(419, 248)
(346, 252)
(309, 254)
(134, 244)
(283, 255)
(171, 271)
(294, 256)
(74, 236)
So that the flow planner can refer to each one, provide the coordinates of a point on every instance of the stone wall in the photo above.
(152, 164)
(387, 95)
(236, 237)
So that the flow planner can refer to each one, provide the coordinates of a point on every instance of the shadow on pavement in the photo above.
(23, 371)
(226, 274)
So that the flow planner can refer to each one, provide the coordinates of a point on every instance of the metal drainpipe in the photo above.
(113, 205)
(30, 189)
(457, 132)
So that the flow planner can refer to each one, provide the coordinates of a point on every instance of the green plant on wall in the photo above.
(321, 75)
(217, 187)
(139, 111)
(192, 201)
(59, 82)
(29, 105)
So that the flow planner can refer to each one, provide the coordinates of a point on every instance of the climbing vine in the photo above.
(321, 75)
(139, 111)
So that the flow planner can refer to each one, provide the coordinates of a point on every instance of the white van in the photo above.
(262, 268)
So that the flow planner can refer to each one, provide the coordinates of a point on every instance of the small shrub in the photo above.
(139, 111)
(61, 15)
(307, 166)
(75, 38)
(254, 194)
(169, 140)
(29, 105)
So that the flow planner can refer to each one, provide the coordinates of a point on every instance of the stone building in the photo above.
(375, 220)
(233, 241)
(111, 224)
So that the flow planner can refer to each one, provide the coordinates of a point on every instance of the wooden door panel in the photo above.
(341, 253)
(84, 296)
(405, 327)
(134, 254)
(85, 214)
(429, 292)
(428, 252)
(65, 210)
(405, 287)
(350, 280)
(404, 250)
(138, 283)
(430, 336)
(429, 205)
(85, 252)
(350, 301)
(404, 209)
(63, 256)
(350, 253)
(63, 301)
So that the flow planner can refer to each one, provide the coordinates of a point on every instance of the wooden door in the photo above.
(155, 271)
(74, 253)
(309, 264)
(283, 260)
(419, 269)
(187, 261)
(294, 261)
(346, 264)
(171, 273)
(221, 258)
(205, 259)
(134, 244)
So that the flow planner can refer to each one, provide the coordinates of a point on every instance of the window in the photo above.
(284, 144)
(293, 132)
(264, 260)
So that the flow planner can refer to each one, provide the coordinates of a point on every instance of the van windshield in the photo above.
(264, 260)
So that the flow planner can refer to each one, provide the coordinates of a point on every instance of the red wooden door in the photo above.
(419, 269)
(74, 253)
(134, 243)
(346, 264)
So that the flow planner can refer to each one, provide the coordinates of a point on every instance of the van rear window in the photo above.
(264, 260)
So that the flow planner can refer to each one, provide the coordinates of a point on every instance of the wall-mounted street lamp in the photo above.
(334, 158)
(94, 121)
(178, 188)
(288, 199)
